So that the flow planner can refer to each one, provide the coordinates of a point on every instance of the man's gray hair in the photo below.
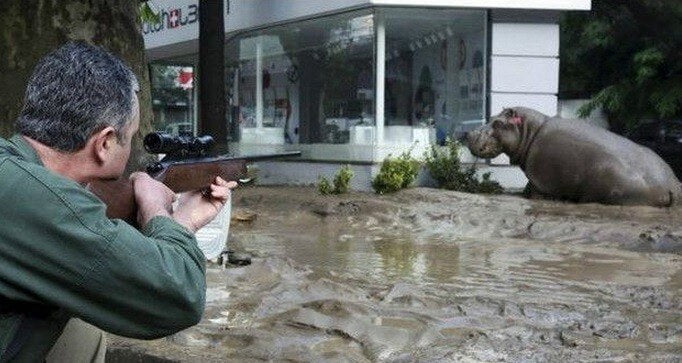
(74, 92)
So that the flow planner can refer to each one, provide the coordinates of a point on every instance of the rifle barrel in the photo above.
(271, 156)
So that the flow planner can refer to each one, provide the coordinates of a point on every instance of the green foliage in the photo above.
(341, 182)
(148, 15)
(489, 186)
(324, 186)
(396, 173)
(625, 56)
(446, 168)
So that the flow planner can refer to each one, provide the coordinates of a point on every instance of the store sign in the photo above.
(179, 23)
(173, 18)
(180, 18)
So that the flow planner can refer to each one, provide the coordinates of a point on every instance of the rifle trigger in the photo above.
(155, 168)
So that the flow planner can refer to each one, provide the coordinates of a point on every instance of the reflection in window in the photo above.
(435, 69)
(307, 82)
(172, 99)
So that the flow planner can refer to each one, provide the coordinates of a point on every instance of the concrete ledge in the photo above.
(308, 173)
(510, 177)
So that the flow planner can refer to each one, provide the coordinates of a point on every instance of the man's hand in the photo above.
(152, 198)
(196, 209)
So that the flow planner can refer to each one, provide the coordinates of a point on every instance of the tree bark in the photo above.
(32, 28)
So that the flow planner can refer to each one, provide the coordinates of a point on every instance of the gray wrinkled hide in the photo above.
(576, 161)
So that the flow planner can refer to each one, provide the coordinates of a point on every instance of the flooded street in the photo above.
(432, 275)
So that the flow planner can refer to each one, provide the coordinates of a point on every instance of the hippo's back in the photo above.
(608, 143)
(594, 150)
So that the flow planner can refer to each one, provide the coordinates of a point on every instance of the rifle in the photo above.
(187, 166)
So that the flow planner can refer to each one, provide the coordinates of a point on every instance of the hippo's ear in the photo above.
(508, 112)
(514, 117)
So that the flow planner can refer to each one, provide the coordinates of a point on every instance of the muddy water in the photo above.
(433, 275)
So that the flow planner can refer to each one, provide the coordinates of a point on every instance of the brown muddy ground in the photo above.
(432, 275)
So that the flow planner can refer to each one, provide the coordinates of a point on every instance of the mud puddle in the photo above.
(429, 275)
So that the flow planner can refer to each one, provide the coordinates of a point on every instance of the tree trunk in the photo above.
(32, 28)
(311, 98)
(212, 120)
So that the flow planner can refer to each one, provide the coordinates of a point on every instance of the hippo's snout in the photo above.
(472, 137)
(482, 143)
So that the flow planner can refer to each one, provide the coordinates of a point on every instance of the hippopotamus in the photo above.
(575, 161)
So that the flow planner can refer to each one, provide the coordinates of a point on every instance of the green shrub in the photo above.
(446, 168)
(489, 186)
(341, 182)
(396, 173)
(324, 186)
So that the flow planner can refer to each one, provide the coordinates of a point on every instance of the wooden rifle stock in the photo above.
(178, 175)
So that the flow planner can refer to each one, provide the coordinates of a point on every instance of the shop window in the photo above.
(435, 69)
(172, 88)
(306, 82)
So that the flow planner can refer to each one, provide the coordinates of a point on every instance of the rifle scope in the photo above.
(163, 143)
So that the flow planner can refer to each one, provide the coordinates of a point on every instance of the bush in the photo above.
(341, 182)
(324, 186)
(396, 173)
(446, 168)
(488, 186)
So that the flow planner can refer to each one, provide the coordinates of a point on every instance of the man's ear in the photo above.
(103, 143)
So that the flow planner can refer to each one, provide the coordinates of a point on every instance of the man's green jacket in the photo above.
(61, 257)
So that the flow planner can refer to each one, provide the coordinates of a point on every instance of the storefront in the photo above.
(356, 80)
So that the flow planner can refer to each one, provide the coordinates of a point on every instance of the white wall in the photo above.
(307, 173)
(522, 39)
(545, 103)
(525, 74)
(249, 14)
(525, 66)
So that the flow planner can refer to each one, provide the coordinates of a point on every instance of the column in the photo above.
(259, 83)
(380, 78)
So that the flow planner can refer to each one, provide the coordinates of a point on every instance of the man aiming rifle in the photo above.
(64, 265)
